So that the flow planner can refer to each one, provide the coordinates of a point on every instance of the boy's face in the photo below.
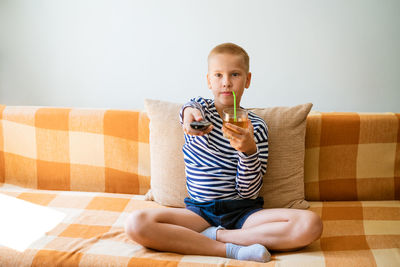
(227, 73)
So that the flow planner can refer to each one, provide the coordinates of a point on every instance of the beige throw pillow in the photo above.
(283, 182)
(167, 168)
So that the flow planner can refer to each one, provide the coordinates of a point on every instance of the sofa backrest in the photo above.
(99, 150)
(349, 156)
(352, 156)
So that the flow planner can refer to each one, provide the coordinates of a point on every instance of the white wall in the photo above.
(342, 55)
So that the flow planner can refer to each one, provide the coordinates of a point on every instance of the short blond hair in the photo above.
(233, 49)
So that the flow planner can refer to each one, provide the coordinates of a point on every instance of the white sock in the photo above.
(254, 252)
(211, 232)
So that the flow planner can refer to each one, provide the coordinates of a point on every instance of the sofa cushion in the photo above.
(283, 182)
(92, 234)
(81, 149)
(168, 182)
(352, 156)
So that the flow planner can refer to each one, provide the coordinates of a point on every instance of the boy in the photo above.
(224, 215)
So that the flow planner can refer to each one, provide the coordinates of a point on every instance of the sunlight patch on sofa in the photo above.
(23, 222)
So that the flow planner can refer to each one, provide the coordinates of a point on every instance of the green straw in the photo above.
(234, 106)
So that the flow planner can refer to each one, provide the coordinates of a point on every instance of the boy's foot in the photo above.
(254, 252)
(211, 232)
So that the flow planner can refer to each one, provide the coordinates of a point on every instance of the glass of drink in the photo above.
(241, 120)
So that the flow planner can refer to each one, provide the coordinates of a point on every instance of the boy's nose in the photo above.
(227, 82)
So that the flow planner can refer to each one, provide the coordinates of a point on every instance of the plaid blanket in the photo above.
(356, 233)
(352, 156)
(53, 148)
(349, 156)
(50, 156)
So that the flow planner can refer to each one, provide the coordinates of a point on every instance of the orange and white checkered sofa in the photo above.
(94, 165)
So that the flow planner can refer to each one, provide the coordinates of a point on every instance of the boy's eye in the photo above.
(218, 75)
(235, 74)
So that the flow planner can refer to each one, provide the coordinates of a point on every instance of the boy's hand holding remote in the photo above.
(190, 115)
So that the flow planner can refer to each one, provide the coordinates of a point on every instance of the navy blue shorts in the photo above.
(230, 214)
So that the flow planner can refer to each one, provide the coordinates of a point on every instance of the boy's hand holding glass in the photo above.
(239, 130)
(191, 115)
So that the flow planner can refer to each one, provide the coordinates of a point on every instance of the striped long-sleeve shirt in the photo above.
(214, 169)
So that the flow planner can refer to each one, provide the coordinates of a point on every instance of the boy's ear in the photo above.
(248, 80)
(208, 82)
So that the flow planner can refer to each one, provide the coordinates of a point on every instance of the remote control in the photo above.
(200, 125)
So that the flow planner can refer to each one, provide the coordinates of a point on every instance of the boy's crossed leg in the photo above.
(178, 230)
(276, 229)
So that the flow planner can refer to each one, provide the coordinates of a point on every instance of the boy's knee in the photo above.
(312, 227)
(316, 226)
(308, 229)
(135, 225)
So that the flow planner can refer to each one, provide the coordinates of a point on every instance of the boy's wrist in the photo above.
(186, 111)
(251, 151)
(248, 155)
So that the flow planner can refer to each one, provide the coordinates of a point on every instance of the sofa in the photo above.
(94, 166)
